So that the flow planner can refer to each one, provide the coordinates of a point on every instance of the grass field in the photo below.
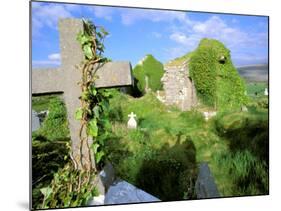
(256, 88)
(235, 144)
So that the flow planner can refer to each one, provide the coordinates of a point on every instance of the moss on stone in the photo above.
(217, 81)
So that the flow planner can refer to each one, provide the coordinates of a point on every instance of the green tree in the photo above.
(151, 69)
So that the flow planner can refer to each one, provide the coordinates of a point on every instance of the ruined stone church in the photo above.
(179, 89)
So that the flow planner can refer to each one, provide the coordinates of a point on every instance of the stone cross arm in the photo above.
(132, 115)
(111, 74)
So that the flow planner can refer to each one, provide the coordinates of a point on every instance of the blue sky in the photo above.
(137, 32)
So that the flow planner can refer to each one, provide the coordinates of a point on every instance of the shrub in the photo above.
(153, 70)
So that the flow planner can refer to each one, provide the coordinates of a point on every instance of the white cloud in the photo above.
(54, 57)
(45, 63)
(131, 16)
(44, 14)
(187, 35)
(103, 12)
(53, 60)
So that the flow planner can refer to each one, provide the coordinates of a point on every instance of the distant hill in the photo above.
(254, 73)
(148, 73)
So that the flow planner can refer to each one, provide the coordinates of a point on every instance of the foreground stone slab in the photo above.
(205, 185)
(122, 192)
(107, 176)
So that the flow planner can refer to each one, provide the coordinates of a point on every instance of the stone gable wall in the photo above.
(178, 88)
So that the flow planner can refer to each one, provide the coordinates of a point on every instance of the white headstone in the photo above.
(132, 123)
(266, 92)
(209, 114)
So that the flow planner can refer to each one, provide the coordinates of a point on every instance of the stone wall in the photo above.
(178, 87)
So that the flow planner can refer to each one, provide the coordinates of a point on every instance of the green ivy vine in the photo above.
(94, 102)
(75, 184)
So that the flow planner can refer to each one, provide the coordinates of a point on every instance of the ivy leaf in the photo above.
(105, 105)
(85, 95)
(96, 111)
(92, 128)
(88, 51)
(78, 114)
(46, 192)
(99, 34)
(83, 38)
(105, 33)
(94, 91)
(95, 147)
(99, 156)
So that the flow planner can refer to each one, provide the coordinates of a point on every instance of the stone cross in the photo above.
(64, 79)
(132, 123)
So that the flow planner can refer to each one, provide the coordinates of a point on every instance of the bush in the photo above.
(153, 70)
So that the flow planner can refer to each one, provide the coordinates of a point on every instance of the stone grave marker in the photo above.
(122, 192)
(132, 123)
(266, 92)
(64, 79)
(205, 185)
(35, 121)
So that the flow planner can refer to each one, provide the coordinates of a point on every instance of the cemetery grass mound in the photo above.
(164, 152)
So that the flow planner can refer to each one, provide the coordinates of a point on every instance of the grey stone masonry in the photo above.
(205, 185)
(65, 78)
(122, 192)
(178, 87)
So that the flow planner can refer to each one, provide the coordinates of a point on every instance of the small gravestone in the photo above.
(266, 92)
(35, 121)
(107, 175)
(205, 185)
(209, 114)
(122, 192)
(42, 116)
(132, 123)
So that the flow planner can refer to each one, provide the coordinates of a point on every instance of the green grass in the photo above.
(256, 89)
(169, 141)
(179, 60)
(41, 103)
(162, 155)
(49, 144)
